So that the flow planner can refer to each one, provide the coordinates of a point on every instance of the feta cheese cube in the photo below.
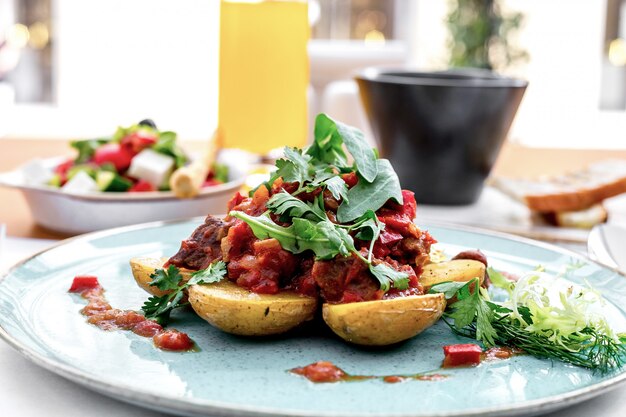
(36, 172)
(80, 183)
(151, 166)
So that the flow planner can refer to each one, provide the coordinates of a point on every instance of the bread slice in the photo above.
(574, 191)
(581, 219)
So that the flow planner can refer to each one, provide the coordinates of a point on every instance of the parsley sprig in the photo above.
(590, 344)
(171, 280)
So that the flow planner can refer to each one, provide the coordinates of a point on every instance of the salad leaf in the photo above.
(333, 133)
(327, 146)
(220, 172)
(368, 226)
(160, 308)
(540, 318)
(301, 236)
(87, 148)
(366, 196)
(337, 187)
(166, 144)
(387, 276)
(287, 206)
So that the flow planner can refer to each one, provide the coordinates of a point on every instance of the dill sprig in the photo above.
(563, 330)
(596, 351)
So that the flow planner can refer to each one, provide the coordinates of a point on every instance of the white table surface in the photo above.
(27, 390)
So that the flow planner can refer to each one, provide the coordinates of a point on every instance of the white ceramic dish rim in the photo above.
(190, 406)
(7, 181)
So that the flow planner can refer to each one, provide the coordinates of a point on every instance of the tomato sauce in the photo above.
(100, 313)
(324, 372)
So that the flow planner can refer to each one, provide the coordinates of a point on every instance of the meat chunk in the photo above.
(202, 247)
(345, 280)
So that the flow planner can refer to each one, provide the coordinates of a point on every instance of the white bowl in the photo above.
(74, 213)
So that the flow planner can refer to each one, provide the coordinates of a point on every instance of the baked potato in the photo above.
(460, 270)
(236, 310)
(143, 268)
(231, 308)
(384, 322)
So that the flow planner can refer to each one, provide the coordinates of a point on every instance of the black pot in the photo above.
(442, 131)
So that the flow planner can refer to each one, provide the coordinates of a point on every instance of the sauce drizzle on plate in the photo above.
(324, 371)
(100, 313)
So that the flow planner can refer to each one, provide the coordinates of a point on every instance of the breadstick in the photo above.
(187, 181)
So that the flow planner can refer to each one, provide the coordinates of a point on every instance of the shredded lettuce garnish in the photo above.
(544, 316)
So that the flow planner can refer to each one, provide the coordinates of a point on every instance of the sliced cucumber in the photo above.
(110, 181)
(87, 169)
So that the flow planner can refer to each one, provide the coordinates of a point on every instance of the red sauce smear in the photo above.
(324, 371)
(100, 313)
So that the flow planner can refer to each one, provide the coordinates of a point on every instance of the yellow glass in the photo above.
(264, 74)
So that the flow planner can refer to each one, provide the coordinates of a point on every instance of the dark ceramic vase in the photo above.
(442, 131)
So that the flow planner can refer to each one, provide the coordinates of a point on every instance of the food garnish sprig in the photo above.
(538, 318)
(171, 280)
(321, 165)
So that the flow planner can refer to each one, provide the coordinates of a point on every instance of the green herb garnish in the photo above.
(170, 279)
(538, 318)
(321, 166)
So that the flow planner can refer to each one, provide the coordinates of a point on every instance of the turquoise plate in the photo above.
(245, 376)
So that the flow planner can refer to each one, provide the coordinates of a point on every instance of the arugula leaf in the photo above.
(337, 236)
(284, 204)
(328, 144)
(371, 196)
(330, 134)
(87, 148)
(160, 308)
(388, 276)
(166, 144)
(166, 280)
(368, 226)
(301, 236)
(337, 187)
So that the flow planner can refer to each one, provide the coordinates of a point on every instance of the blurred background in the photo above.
(75, 68)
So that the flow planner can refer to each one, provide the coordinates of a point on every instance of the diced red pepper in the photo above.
(461, 355)
(142, 186)
(235, 201)
(409, 206)
(84, 282)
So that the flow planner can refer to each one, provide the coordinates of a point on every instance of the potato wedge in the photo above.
(236, 310)
(384, 322)
(460, 270)
(143, 267)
